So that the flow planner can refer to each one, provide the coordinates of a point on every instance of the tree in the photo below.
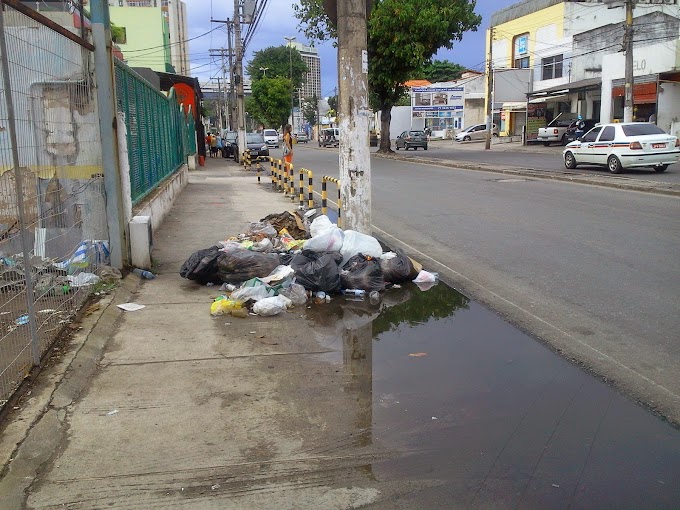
(333, 103)
(442, 70)
(309, 109)
(269, 103)
(403, 35)
(278, 61)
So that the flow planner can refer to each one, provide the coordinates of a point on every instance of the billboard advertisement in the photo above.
(437, 102)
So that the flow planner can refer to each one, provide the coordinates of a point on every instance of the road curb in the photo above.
(613, 182)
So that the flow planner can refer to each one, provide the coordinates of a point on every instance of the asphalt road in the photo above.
(534, 156)
(593, 272)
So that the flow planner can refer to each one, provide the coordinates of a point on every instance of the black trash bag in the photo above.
(201, 266)
(397, 269)
(317, 271)
(236, 266)
(362, 273)
(285, 258)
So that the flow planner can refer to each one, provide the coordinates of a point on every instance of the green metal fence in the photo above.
(159, 135)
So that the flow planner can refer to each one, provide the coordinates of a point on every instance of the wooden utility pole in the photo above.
(489, 92)
(628, 42)
(354, 115)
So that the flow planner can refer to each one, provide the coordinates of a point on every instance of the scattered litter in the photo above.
(223, 306)
(227, 323)
(46, 310)
(20, 321)
(417, 355)
(425, 277)
(272, 306)
(556, 486)
(435, 418)
(253, 332)
(227, 287)
(83, 279)
(111, 413)
(241, 313)
(215, 487)
(209, 284)
(143, 273)
(92, 308)
(131, 307)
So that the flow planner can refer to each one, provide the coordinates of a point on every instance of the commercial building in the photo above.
(573, 50)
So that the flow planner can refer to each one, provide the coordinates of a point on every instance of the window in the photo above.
(552, 67)
(520, 51)
(591, 135)
(642, 129)
(607, 134)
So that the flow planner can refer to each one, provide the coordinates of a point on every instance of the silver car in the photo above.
(476, 132)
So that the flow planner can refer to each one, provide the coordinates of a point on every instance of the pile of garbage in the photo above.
(285, 259)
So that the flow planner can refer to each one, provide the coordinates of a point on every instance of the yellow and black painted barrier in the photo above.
(310, 188)
(289, 170)
(324, 197)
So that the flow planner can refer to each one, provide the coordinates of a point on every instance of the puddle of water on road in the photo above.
(482, 415)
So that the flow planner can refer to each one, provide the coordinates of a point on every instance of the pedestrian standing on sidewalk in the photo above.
(288, 144)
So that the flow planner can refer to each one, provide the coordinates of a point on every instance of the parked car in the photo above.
(301, 137)
(255, 142)
(476, 132)
(556, 130)
(228, 139)
(625, 145)
(271, 137)
(330, 137)
(411, 140)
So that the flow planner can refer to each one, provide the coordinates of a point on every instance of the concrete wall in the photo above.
(159, 203)
(668, 117)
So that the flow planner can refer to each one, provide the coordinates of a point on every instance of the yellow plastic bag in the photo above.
(223, 306)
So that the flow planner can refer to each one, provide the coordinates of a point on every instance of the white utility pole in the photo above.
(238, 78)
(628, 38)
(354, 115)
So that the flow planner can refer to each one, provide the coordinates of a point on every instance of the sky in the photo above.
(278, 21)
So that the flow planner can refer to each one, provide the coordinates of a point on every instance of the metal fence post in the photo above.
(25, 243)
(106, 101)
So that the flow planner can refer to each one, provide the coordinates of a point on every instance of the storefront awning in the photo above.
(515, 105)
(575, 86)
(549, 99)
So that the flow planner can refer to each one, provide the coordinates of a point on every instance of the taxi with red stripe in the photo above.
(624, 145)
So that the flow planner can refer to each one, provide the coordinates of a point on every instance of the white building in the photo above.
(311, 84)
(176, 13)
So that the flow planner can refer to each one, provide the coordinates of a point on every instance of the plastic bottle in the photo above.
(374, 297)
(354, 292)
(143, 273)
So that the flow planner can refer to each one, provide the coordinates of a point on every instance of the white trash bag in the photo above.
(272, 305)
(356, 242)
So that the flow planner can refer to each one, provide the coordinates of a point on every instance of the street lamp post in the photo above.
(292, 88)
(264, 71)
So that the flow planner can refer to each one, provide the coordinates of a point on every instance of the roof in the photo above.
(587, 84)
(168, 80)
(417, 83)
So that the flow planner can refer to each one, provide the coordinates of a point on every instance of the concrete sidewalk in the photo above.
(168, 407)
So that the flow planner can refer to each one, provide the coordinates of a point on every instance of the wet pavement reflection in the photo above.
(476, 414)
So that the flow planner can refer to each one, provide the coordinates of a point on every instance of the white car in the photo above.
(625, 145)
(271, 137)
(477, 132)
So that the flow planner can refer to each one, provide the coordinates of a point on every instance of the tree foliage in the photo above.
(269, 103)
(442, 70)
(309, 109)
(403, 35)
(278, 60)
(333, 103)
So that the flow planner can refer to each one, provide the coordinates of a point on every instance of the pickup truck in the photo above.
(556, 132)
